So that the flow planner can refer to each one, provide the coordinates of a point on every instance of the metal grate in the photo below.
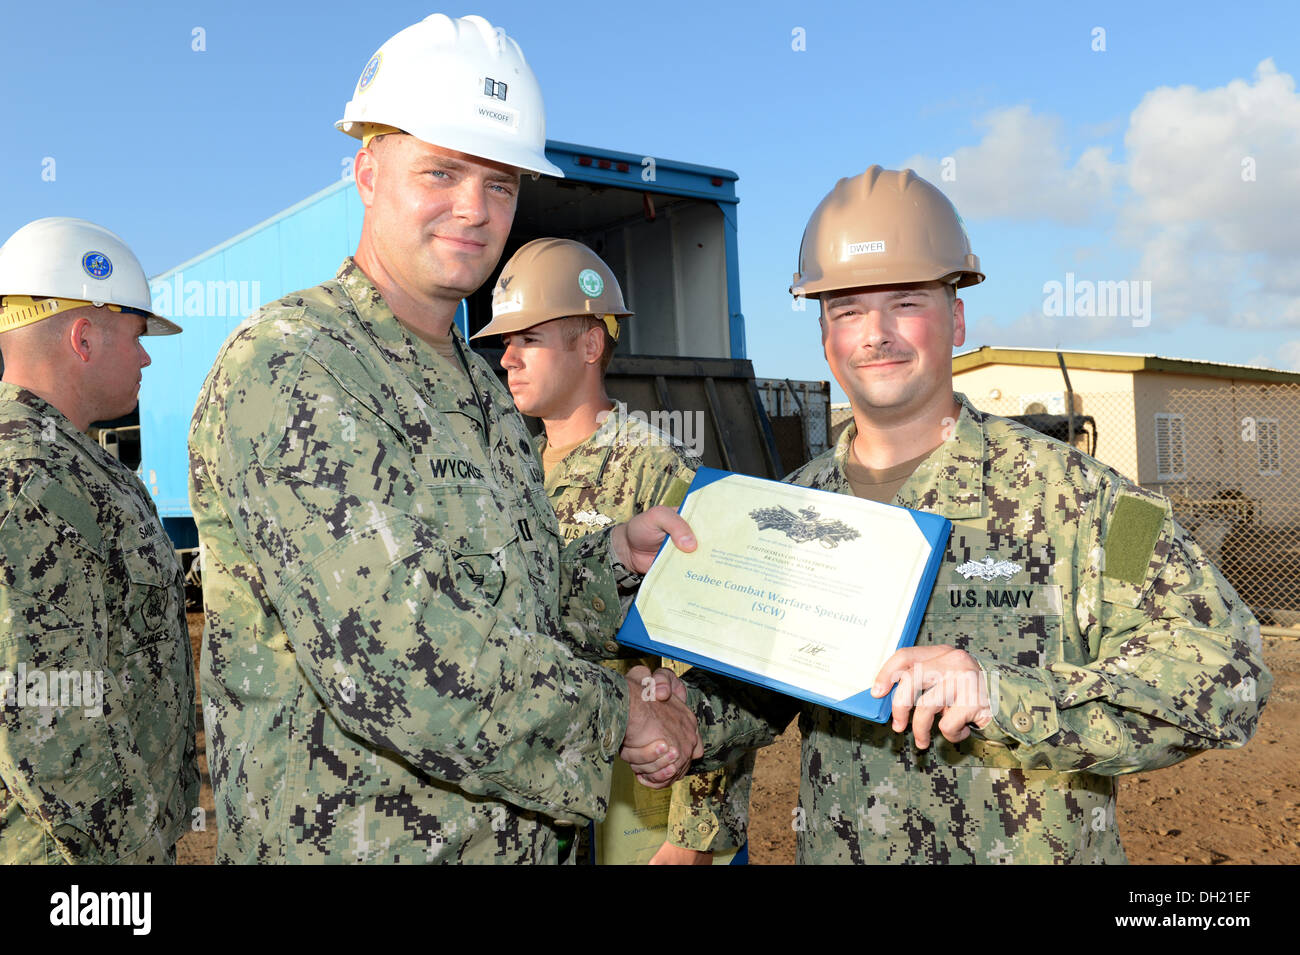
(1227, 456)
(809, 400)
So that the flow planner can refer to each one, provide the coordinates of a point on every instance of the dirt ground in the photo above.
(1237, 808)
(199, 846)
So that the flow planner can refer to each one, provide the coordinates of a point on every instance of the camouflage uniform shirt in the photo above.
(1111, 643)
(626, 467)
(92, 617)
(389, 669)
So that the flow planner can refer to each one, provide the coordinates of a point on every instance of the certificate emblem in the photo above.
(989, 569)
(807, 525)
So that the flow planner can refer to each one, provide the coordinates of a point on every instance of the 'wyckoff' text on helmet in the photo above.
(554, 278)
(459, 84)
(53, 265)
(883, 227)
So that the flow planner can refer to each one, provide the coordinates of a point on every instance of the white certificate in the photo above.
(805, 592)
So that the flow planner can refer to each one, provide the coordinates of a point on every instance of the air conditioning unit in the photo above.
(1046, 402)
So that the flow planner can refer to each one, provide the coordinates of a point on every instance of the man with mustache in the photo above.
(1131, 653)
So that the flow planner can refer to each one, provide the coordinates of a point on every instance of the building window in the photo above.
(1266, 442)
(1171, 464)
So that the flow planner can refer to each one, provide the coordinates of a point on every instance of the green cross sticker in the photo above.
(591, 283)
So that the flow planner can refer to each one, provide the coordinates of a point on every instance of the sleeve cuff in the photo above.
(1023, 704)
(697, 831)
(591, 606)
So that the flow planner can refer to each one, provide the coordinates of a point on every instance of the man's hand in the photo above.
(664, 681)
(670, 854)
(636, 542)
(938, 679)
(662, 738)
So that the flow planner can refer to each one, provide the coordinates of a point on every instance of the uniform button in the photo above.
(1022, 722)
(611, 646)
(609, 739)
(702, 827)
(598, 605)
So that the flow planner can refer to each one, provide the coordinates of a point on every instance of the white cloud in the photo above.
(1212, 239)
(1285, 357)
(1034, 329)
(1207, 197)
(1021, 170)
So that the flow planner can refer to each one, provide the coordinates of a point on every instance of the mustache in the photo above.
(882, 355)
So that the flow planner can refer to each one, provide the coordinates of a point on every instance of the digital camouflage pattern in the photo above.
(89, 584)
(1102, 667)
(384, 588)
(627, 466)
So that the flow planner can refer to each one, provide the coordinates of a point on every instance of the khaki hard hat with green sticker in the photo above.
(554, 278)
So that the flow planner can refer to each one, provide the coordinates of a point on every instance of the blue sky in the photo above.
(1170, 157)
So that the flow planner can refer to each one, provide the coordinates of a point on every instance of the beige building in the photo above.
(1220, 441)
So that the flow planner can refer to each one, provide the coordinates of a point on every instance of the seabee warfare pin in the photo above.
(97, 265)
(591, 283)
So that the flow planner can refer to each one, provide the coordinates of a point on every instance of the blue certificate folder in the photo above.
(933, 534)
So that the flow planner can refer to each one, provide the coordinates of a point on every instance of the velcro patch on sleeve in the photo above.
(1131, 539)
(76, 513)
(676, 493)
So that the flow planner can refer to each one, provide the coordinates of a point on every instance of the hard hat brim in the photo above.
(818, 288)
(157, 325)
(523, 159)
(510, 323)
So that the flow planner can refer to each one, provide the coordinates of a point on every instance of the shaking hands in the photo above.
(662, 738)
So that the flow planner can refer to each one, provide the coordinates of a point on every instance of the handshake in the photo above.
(662, 737)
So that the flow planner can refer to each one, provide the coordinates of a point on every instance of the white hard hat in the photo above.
(459, 84)
(71, 263)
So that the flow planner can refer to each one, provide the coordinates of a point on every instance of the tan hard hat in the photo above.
(554, 278)
(883, 227)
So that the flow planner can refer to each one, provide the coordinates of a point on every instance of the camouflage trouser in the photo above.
(50, 855)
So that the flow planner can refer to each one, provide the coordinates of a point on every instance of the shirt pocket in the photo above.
(1019, 625)
(479, 535)
(152, 595)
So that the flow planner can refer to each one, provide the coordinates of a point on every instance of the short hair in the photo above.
(575, 326)
(42, 337)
